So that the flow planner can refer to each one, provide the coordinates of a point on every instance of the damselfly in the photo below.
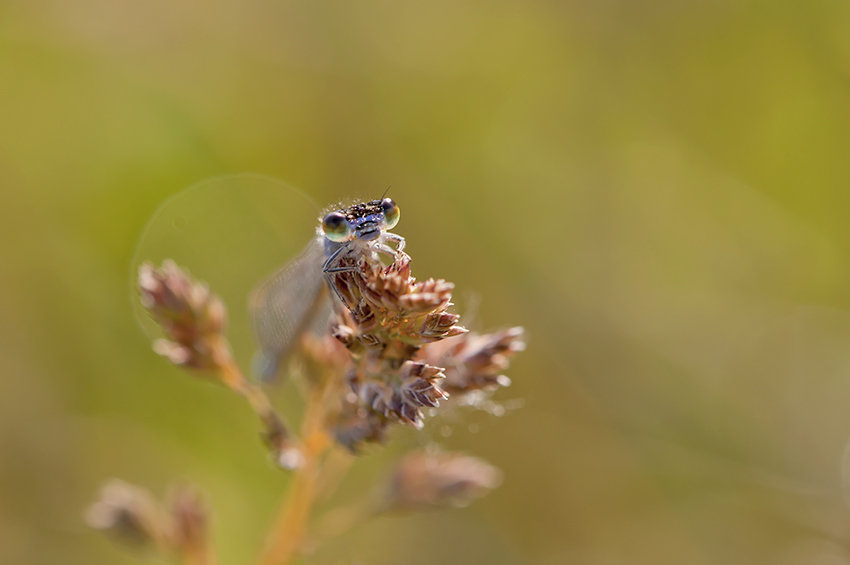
(292, 299)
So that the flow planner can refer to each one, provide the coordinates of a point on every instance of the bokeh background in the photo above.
(658, 191)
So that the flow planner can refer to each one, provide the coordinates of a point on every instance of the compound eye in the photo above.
(335, 227)
(391, 212)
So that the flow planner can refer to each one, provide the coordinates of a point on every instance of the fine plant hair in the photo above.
(390, 357)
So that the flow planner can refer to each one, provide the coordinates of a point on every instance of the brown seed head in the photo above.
(192, 318)
(389, 306)
(189, 521)
(395, 329)
(476, 362)
(423, 480)
(127, 513)
(358, 425)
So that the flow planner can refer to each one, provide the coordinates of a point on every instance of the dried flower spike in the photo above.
(131, 514)
(128, 513)
(476, 362)
(423, 480)
(393, 312)
(188, 533)
(192, 318)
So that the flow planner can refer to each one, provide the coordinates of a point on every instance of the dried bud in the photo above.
(127, 512)
(426, 296)
(438, 325)
(401, 399)
(345, 334)
(419, 388)
(285, 452)
(191, 317)
(475, 362)
(189, 523)
(423, 480)
(358, 426)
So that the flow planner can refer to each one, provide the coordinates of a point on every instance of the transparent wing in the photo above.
(290, 302)
(229, 232)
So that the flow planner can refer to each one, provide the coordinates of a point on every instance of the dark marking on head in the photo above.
(362, 210)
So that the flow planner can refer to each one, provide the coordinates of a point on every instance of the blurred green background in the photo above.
(658, 191)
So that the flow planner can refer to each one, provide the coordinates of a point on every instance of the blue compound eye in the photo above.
(335, 227)
(391, 212)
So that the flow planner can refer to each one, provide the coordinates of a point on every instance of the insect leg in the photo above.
(395, 237)
(396, 254)
(328, 271)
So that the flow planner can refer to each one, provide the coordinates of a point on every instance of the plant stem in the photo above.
(232, 377)
(287, 534)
